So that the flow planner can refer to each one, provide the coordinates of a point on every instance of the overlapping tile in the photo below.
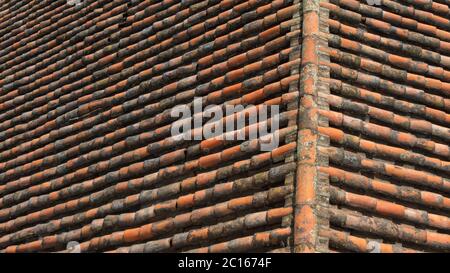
(87, 152)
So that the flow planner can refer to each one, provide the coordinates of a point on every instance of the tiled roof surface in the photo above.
(86, 150)
(389, 123)
(87, 154)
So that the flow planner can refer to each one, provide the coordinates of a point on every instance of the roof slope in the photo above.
(88, 154)
(388, 125)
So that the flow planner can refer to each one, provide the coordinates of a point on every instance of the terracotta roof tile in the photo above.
(86, 146)
(388, 125)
